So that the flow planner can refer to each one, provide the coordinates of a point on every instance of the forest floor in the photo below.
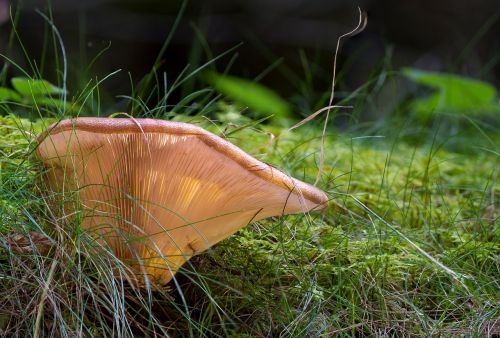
(408, 246)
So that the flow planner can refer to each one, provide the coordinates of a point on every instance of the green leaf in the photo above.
(50, 102)
(455, 94)
(29, 87)
(260, 99)
(56, 103)
(7, 94)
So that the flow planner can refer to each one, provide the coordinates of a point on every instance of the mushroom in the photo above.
(158, 192)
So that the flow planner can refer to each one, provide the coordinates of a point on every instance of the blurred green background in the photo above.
(287, 46)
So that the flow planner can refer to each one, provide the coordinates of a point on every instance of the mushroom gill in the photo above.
(159, 192)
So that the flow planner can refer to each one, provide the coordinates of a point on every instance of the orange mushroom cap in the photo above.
(159, 192)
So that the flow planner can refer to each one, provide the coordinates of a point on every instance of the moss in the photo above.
(340, 271)
(346, 260)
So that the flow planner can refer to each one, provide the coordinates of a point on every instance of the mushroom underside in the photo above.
(157, 199)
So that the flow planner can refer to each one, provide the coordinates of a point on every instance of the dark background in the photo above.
(453, 36)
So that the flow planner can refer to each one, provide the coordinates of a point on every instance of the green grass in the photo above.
(408, 247)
